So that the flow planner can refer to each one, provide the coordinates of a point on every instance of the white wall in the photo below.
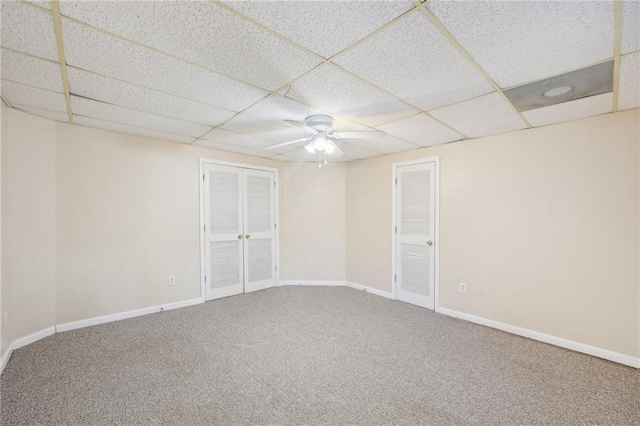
(28, 223)
(545, 219)
(313, 222)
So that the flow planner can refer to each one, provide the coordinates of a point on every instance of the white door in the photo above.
(223, 242)
(415, 234)
(239, 230)
(259, 230)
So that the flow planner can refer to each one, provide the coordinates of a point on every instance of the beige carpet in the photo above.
(309, 355)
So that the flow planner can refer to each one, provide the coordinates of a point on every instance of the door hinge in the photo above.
(395, 278)
(205, 279)
(205, 229)
(276, 268)
(396, 181)
(274, 183)
(275, 226)
(203, 178)
(396, 230)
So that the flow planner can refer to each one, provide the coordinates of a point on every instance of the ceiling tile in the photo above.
(421, 130)
(630, 26)
(30, 96)
(33, 71)
(415, 62)
(387, 145)
(629, 88)
(572, 110)
(41, 3)
(29, 30)
(277, 108)
(131, 130)
(482, 116)
(249, 125)
(116, 92)
(226, 137)
(200, 32)
(232, 148)
(117, 114)
(101, 53)
(356, 152)
(521, 41)
(325, 27)
(332, 90)
(45, 113)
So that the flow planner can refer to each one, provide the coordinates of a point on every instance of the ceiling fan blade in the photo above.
(360, 135)
(302, 126)
(289, 143)
(337, 152)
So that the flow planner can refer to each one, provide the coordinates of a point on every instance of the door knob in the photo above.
(429, 243)
(239, 236)
(247, 236)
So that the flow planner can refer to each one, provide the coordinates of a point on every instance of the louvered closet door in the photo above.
(259, 226)
(223, 243)
(415, 219)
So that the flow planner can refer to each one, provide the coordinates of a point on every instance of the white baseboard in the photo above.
(320, 283)
(340, 283)
(369, 289)
(24, 341)
(5, 358)
(547, 338)
(124, 315)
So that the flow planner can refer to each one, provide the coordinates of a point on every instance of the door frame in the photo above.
(202, 162)
(436, 281)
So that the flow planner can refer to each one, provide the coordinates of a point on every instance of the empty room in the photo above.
(371, 212)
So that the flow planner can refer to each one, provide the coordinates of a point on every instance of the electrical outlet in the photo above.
(481, 292)
(309, 265)
(172, 279)
(462, 287)
(5, 319)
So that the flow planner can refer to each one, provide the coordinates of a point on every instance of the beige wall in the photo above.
(5, 341)
(121, 213)
(545, 219)
(128, 217)
(28, 222)
(555, 244)
(313, 222)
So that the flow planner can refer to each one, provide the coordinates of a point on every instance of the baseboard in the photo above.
(320, 283)
(24, 341)
(124, 315)
(546, 338)
(369, 289)
(5, 358)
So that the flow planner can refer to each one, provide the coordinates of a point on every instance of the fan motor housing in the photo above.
(321, 123)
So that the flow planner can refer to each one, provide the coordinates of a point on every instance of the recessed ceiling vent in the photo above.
(573, 85)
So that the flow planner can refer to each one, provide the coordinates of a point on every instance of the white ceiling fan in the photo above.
(323, 138)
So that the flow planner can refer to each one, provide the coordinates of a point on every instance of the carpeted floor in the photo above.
(309, 355)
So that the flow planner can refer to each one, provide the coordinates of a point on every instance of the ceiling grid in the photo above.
(442, 115)
(55, 9)
(617, 43)
(466, 54)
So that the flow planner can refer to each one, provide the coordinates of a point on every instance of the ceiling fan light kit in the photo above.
(323, 138)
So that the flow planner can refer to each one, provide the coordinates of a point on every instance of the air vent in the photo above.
(590, 81)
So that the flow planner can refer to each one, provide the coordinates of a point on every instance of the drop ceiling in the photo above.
(226, 74)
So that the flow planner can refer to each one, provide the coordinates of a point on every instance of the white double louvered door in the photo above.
(239, 242)
(415, 234)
